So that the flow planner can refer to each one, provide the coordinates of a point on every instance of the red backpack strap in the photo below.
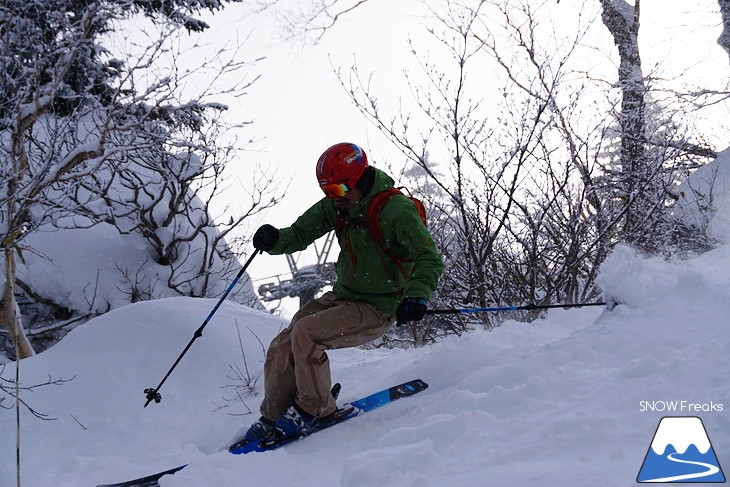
(372, 218)
(372, 215)
(419, 205)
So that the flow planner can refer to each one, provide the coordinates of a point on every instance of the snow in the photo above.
(70, 279)
(709, 187)
(103, 269)
(555, 402)
(688, 429)
(560, 401)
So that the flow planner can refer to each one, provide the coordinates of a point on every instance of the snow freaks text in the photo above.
(680, 407)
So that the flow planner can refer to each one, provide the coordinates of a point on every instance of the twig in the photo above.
(79, 422)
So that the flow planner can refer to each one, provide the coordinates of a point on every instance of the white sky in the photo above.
(299, 108)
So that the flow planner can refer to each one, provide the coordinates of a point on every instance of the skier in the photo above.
(377, 284)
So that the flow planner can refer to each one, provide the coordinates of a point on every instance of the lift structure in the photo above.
(305, 282)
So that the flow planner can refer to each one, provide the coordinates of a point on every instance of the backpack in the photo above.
(372, 222)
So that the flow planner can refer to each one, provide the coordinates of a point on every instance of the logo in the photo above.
(680, 407)
(680, 452)
(355, 156)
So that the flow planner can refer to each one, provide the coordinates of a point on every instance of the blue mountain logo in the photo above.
(681, 452)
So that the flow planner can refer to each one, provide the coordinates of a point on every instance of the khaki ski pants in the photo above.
(297, 367)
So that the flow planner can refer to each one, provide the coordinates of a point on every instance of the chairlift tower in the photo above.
(305, 282)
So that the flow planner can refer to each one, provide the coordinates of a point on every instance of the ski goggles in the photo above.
(335, 190)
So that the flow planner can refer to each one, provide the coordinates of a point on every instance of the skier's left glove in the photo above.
(411, 309)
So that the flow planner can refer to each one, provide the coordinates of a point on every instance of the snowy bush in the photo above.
(95, 130)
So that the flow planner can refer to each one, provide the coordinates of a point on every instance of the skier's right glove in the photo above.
(265, 238)
(411, 309)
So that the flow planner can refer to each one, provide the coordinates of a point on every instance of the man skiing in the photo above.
(377, 283)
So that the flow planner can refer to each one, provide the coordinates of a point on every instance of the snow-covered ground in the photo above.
(573, 399)
(555, 402)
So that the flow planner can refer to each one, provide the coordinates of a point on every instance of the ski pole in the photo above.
(526, 307)
(153, 394)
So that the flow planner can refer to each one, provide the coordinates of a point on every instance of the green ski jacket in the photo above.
(364, 271)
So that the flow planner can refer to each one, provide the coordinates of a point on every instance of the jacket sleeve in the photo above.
(404, 230)
(315, 222)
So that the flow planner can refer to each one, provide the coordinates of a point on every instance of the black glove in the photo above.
(265, 238)
(411, 309)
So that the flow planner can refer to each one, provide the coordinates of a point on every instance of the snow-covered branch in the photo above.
(113, 134)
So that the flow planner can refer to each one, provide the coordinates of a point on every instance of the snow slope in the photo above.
(556, 402)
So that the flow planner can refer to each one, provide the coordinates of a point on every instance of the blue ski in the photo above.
(347, 411)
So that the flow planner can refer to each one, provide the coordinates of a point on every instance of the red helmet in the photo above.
(340, 167)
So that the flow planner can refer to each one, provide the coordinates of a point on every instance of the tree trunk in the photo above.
(622, 20)
(9, 317)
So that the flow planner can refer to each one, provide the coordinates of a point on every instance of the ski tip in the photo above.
(145, 481)
(416, 385)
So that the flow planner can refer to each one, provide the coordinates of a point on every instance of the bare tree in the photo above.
(528, 196)
(655, 155)
(312, 19)
(162, 187)
(637, 173)
(486, 209)
(525, 200)
(71, 112)
(10, 388)
(33, 78)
